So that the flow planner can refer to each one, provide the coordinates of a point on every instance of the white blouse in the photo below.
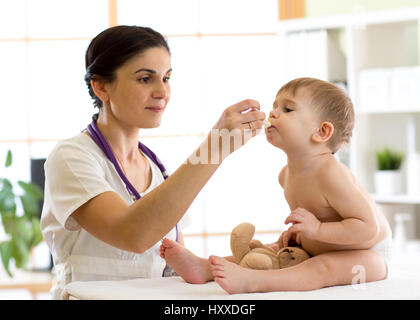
(76, 171)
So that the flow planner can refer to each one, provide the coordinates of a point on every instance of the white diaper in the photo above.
(384, 249)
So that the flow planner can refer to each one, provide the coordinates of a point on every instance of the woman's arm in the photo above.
(139, 226)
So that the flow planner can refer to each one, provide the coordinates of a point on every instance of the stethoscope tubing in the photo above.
(100, 140)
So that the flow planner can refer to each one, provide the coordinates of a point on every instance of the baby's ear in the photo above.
(324, 132)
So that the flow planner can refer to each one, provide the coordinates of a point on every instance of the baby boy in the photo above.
(333, 217)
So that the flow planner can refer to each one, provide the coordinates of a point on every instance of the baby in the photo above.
(333, 217)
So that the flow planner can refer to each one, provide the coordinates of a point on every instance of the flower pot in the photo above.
(388, 182)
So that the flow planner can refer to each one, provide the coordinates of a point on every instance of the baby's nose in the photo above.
(272, 114)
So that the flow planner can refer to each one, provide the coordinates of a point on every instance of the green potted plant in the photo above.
(19, 218)
(388, 177)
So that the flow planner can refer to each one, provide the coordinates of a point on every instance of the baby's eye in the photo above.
(286, 109)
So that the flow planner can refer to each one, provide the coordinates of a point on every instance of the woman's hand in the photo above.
(304, 223)
(236, 117)
(237, 125)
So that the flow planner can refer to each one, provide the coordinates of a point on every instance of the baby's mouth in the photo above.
(268, 125)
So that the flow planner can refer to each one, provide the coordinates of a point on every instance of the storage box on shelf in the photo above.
(389, 90)
(374, 88)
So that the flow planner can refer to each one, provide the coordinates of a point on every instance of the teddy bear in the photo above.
(253, 254)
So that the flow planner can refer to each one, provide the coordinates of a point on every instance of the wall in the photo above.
(330, 7)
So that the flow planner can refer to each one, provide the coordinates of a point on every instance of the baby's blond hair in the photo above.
(333, 105)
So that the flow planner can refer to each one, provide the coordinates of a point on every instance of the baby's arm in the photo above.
(342, 192)
(359, 222)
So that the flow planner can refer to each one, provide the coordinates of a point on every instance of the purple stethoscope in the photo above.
(100, 140)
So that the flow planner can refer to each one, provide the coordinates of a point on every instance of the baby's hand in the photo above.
(276, 246)
(304, 222)
(289, 239)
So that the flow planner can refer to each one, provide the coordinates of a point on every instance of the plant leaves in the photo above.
(20, 252)
(30, 199)
(7, 219)
(9, 159)
(36, 232)
(30, 206)
(7, 203)
(387, 159)
(7, 197)
(6, 253)
(23, 230)
(32, 190)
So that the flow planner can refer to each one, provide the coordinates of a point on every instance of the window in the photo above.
(222, 52)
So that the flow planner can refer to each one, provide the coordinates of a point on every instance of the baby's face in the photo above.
(293, 121)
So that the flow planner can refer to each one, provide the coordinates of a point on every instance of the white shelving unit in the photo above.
(365, 53)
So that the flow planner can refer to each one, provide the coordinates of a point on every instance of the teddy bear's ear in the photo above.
(291, 256)
(285, 249)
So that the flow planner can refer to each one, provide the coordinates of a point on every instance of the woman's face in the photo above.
(140, 92)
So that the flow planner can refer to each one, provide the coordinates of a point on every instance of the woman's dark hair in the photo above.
(114, 46)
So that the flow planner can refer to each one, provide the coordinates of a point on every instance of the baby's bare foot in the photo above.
(230, 276)
(191, 268)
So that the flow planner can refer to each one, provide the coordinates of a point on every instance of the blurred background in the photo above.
(223, 51)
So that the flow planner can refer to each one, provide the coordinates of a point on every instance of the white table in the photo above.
(403, 283)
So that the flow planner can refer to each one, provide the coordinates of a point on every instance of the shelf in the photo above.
(34, 282)
(391, 110)
(396, 199)
(355, 20)
(378, 52)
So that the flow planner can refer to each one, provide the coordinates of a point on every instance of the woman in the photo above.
(107, 203)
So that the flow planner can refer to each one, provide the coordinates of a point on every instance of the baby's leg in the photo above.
(324, 270)
(191, 268)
